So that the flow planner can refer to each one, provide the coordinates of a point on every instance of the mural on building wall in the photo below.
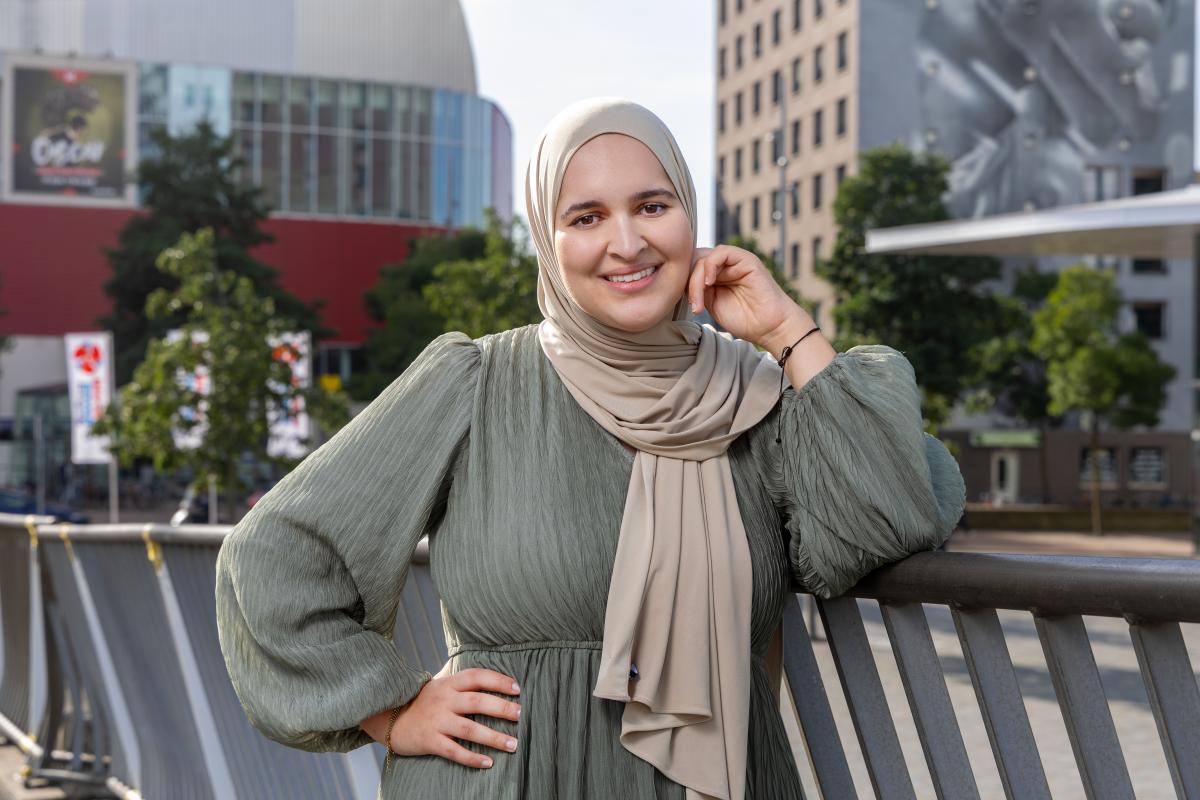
(1023, 95)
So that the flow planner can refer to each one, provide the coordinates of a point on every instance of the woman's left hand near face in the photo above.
(740, 293)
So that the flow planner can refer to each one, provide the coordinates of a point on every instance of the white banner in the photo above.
(89, 382)
(290, 424)
(200, 383)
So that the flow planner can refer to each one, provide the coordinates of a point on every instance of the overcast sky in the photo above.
(533, 57)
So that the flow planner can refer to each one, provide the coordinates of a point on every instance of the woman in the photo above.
(618, 502)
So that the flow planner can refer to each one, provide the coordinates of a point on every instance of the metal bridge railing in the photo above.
(113, 675)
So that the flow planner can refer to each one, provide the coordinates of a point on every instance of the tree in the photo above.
(934, 309)
(1010, 377)
(494, 292)
(1113, 378)
(189, 184)
(397, 302)
(226, 327)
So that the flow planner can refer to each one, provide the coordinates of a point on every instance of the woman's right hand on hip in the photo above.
(431, 722)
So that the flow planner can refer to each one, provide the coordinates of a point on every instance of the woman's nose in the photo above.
(627, 242)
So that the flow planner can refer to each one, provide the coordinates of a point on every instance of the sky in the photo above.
(533, 57)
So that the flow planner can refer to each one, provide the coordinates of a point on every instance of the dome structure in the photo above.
(411, 42)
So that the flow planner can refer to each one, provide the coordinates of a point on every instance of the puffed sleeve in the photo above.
(857, 481)
(308, 583)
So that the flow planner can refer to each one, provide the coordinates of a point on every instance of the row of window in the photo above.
(739, 112)
(777, 199)
(777, 141)
(1146, 467)
(818, 11)
(842, 59)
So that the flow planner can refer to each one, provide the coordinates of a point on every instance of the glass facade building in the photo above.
(344, 148)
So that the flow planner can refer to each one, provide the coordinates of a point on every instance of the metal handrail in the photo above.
(1137, 589)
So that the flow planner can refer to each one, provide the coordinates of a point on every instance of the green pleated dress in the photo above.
(480, 445)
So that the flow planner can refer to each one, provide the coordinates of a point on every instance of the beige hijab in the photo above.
(679, 601)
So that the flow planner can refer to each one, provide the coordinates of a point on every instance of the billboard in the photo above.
(89, 382)
(69, 131)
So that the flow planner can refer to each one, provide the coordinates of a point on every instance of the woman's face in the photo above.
(618, 216)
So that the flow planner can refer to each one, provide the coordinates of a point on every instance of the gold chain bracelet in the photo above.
(387, 737)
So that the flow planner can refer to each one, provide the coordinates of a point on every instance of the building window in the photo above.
(754, 213)
(818, 61)
(757, 104)
(795, 137)
(721, 168)
(737, 109)
(797, 14)
(741, 6)
(776, 146)
(757, 39)
(776, 208)
(840, 175)
(723, 9)
(1148, 318)
(776, 23)
(796, 69)
(1148, 266)
(816, 252)
(721, 64)
(840, 121)
(737, 218)
(721, 117)
(1106, 462)
(816, 191)
(756, 156)
(818, 9)
(842, 55)
(776, 87)
(795, 193)
(818, 125)
(739, 51)
(737, 164)
(1147, 468)
(795, 260)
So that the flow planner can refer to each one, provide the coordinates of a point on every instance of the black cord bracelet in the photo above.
(783, 357)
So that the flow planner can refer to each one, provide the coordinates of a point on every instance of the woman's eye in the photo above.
(655, 208)
(586, 219)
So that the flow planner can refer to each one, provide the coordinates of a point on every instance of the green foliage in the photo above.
(248, 384)
(189, 184)
(748, 243)
(491, 293)
(934, 309)
(1090, 366)
(397, 302)
(1009, 376)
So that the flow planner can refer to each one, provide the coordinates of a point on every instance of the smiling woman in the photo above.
(609, 613)
(623, 240)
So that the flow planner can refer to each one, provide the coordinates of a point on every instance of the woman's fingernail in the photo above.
(516, 689)
(511, 744)
(487, 762)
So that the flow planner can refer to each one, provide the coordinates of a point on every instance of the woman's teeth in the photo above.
(636, 276)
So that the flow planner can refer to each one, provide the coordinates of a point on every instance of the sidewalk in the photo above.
(1133, 545)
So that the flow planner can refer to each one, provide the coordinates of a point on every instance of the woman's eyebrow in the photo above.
(646, 195)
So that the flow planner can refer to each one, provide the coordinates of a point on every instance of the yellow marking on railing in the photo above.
(62, 534)
(25, 771)
(33, 534)
(153, 550)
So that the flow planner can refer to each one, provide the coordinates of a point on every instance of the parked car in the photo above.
(13, 502)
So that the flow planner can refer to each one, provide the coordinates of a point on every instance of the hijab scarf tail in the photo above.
(676, 644)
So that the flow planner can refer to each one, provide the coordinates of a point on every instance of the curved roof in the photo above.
(418, 42)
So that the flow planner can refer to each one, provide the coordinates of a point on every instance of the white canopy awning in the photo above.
(1161, 225)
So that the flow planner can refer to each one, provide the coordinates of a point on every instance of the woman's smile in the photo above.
(633, 279)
